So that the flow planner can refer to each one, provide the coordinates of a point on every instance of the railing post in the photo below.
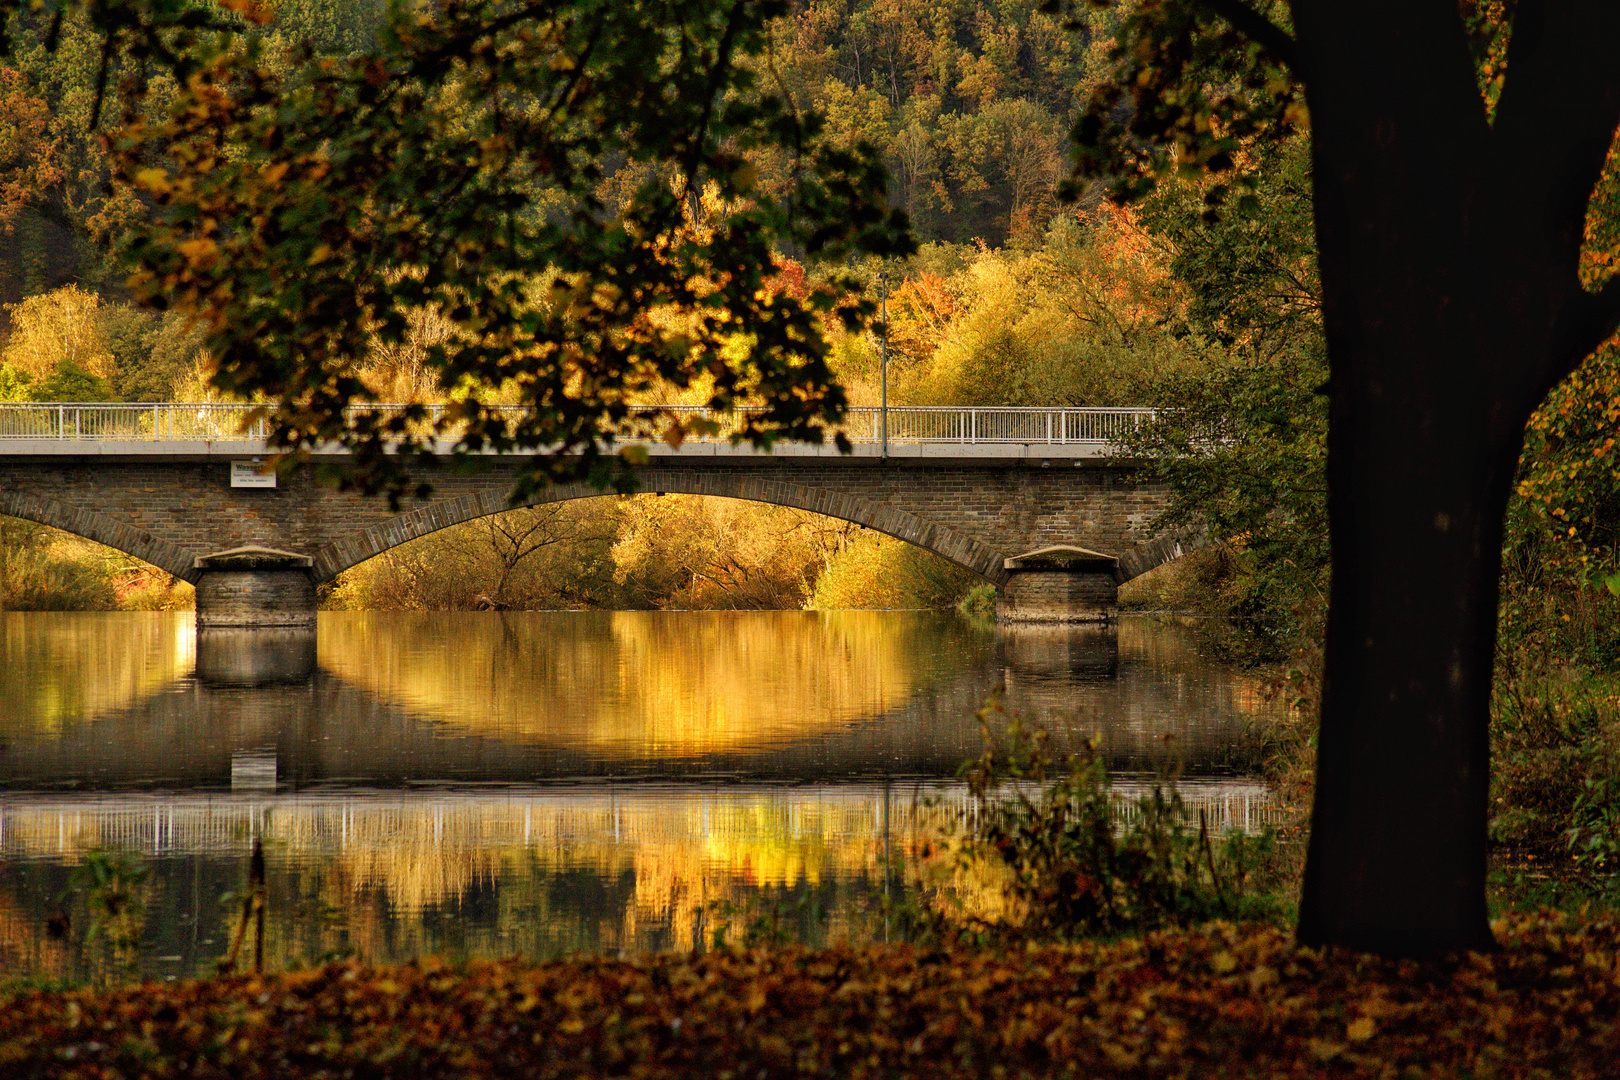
(973, 419)
(1048, 429)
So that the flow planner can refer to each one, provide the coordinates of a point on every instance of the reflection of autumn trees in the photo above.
(58, 668)
(668, 685)
(635, 867)
(388, 878)
(24, 948)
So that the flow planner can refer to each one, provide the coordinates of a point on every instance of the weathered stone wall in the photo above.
(256, 599)
(1058, 596)
(168, 511)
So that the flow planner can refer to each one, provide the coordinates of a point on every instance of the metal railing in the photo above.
(909, 425)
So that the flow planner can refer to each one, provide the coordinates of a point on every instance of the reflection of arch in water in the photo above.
(359, 546)
(359, 724)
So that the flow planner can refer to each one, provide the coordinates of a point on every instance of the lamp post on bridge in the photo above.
(883, 363)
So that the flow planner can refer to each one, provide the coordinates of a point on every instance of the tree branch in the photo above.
(1595, 318)
(1260, 30)
(1560, 105)
(717, 76)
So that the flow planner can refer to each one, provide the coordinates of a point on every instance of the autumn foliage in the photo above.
(27, 154)
(1218, 1001)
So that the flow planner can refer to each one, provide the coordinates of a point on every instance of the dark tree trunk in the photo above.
(1448, 251)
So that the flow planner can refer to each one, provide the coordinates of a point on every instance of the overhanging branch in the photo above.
(1559, 107)
(1260, 30)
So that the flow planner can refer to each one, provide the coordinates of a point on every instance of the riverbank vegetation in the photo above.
(45, 569)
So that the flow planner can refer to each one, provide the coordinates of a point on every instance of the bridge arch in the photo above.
(1152, 554)
(103, 530)
(357, 547)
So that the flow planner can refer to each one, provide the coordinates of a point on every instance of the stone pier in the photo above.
(1059, 584)
(255, 617)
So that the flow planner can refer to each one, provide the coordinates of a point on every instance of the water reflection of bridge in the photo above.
(308, 825)
(532, 698)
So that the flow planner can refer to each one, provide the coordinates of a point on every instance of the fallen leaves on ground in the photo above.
(1218, 1001)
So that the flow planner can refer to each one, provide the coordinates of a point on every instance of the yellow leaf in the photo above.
(154, 180)
(1222, 962)
(1361, 1030)
(195, 250)
(1324, 1051)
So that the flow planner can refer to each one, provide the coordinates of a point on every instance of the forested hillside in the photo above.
(1014, 299)
(968, 101)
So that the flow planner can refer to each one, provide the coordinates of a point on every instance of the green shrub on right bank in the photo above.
(1072, 860)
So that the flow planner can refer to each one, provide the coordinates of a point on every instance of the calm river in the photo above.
(535, 783)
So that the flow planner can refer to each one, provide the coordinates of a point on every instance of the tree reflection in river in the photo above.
(520, 697)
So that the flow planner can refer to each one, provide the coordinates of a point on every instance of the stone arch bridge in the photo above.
(1036, 501)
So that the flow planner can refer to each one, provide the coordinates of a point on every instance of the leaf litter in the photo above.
(1217, 1001)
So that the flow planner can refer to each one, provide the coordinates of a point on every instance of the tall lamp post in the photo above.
(883, 364)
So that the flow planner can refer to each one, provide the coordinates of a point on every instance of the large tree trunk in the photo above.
(1451, 307)
(1397, 854)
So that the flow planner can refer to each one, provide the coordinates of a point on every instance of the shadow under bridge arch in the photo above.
(357, 547)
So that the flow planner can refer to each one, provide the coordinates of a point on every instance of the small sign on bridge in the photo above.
(247, 474)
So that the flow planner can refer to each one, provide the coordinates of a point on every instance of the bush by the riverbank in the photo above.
(1217, 1001)
(45, 569)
